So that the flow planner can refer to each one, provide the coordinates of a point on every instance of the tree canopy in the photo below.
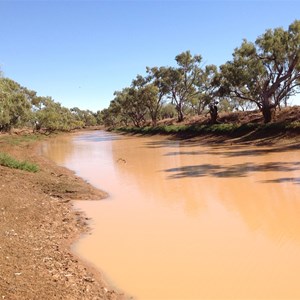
(265, 72)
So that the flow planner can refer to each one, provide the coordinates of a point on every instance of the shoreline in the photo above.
(39, 227)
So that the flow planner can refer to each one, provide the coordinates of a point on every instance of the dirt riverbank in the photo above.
(37, 227)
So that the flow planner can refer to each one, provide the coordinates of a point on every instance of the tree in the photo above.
(208, 84)
(99, 117)
(181, 80)
(157, 78)
(128, 104)
(266, 72)
(107, 118)
(85, 116)
(51, 116)
(15, 104)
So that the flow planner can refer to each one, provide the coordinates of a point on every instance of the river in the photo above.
(185, 220)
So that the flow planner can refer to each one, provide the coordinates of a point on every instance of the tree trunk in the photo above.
(154, 117)
(267, 111)
(154, 122)
(213, 111)
(180, 113)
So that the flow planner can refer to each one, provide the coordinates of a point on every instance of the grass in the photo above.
(20, 140)
(10, 162)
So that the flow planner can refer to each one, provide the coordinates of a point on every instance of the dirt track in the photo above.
(37, 227)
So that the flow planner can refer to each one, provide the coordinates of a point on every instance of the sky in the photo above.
(81, 52)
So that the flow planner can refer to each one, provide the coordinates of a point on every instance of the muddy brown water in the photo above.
(189, 221)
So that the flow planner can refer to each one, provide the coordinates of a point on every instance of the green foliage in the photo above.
(8, 161)
(84, 117)
(168, 111)
(15, 104)
(182, 80)
(52, 116)
(20, 106)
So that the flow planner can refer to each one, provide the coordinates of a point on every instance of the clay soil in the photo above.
(37, 228)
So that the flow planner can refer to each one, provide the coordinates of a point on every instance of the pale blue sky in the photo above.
(80, 52)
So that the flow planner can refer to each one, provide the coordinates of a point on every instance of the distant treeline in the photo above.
(21, 107)
(261, 75)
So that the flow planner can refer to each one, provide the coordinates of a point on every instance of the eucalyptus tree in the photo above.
(108, 119)
(182, 80)
(158, 90)
(87, 117)
(207, 85)
(117, 111)
(51, 116)
(130, 104)
(99, 117)
(266, 72)
(15, 104)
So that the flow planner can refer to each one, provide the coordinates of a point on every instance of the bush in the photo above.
(10, 162)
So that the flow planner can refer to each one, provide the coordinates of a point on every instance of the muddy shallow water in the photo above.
(189, 221)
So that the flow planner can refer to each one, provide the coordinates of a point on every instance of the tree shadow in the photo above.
(282, 180)
(176, 153)
(163, 144)
(230, 150)
(258, 151)
(238, 170)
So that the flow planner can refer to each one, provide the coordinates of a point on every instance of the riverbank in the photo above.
(238, 127)
(38, 225)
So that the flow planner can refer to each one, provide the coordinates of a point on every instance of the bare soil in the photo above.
(38, 225)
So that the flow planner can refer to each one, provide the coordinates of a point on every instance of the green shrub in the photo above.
(8, 161)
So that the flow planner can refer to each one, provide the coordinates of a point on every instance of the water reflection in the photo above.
(190, 221)
(238, 170)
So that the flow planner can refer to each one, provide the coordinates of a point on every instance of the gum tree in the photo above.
(158, 91)
(266, 72)
(15, 104)
(182, 80)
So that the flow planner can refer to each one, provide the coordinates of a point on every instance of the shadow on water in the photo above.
(224, 150)
(282, 180)
(163, 144)
(177, 153)
(238, 170)
(257, 152)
